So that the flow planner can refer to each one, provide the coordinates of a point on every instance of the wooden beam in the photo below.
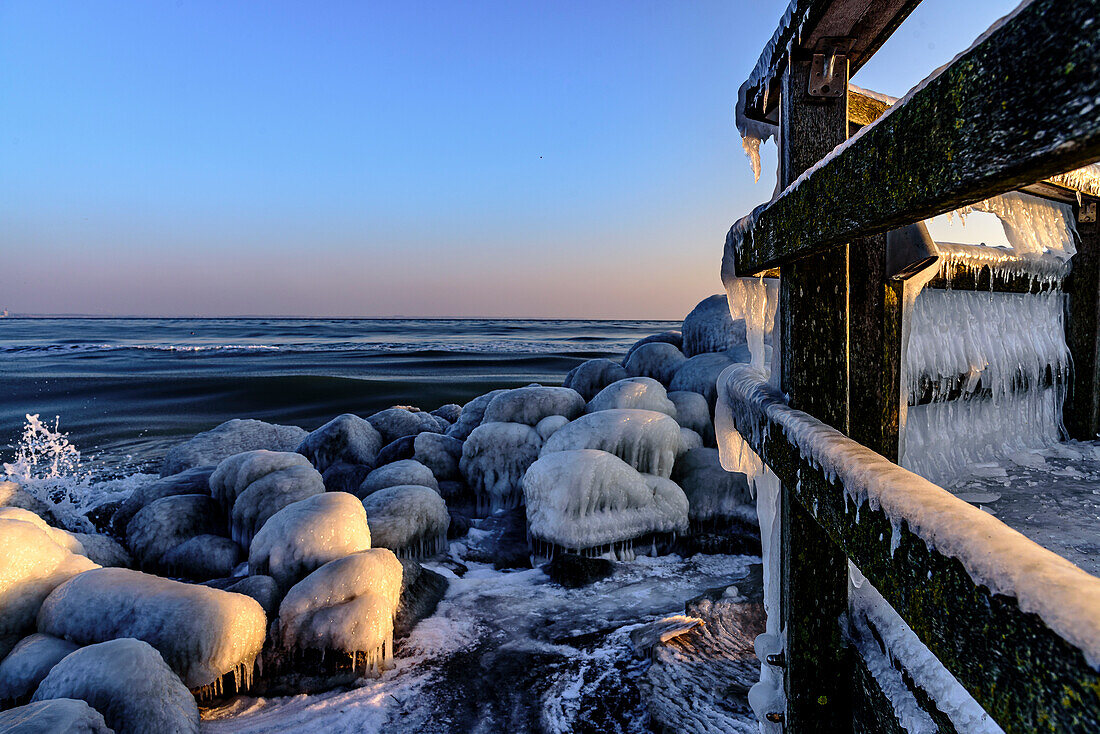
(1082, 408)
(1001, 116)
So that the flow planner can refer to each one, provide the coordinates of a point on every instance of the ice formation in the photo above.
(341, 477)
(588, 378)
(394, 423)
(346, 606)
(689, 440)
(235, 473)
(191, 481)
(693, 412)
(439, 453)
(259, 587)
(232, 437)
(471, 416)
(494, 459)
(63, 538)
(267, 495)
(128, 682)
(410, 520)
(103, 550)
(201, 558)
(756, 301)
(449, 412)
(346, 438)
(202, 633)
(713, 493)
(53, 716)
(643, 393)
(700, 374)
(710, 328)
(658, 360)
(406, 471)
(162, 525)
(592, 502)
(645, 439)
(529, 405)
(12, 495)
(675, 338)
(305, 535)
(550, 425)
(27, 664)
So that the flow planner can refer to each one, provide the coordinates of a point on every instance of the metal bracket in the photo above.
(1087, 212)
(829, 62)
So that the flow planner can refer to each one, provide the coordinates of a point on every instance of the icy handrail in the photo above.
(1064, 596)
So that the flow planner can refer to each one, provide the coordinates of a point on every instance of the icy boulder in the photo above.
(235, 473)
(164, 524)
(471, 416)
(642, 393)
(710, 328)
(529, 405)
(346, 438)
(397, 450)
(449, 412)
(202, 633)
(27, 664)
(346, 606)
(305, 535)
(716, 496)
(191, 481)
(410, 520)
(689, 440)
(645, 439)
(658, 360)
(674, 338)
(550, 425)
(700, 374)
(407, 471)
(588, 378)
(231, 437)
(393, 423)
(54, 716)
(341, 477)
(693, 412)
(439, 453)
(103, 550)
(12, 495)
(494, 459)
(129, 683)
(202, 557)
(63, 538)
(593, 503)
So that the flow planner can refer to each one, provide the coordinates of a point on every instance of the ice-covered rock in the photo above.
(410, 520)
(471, 416)
(658, 360)
(341, 477)
(689, 440)
(261, 588)
(191, 481)
(407, 471)
(202, 557)
(264, 492)
(588, 378)
(63, 538)
(421, 591)
(235, 473)
(700, 374)
(574, 571)
(714, 494)
(305, 535)
(12, 495)
(104, 550)
(645, 439)
(674, 338)
(494, 459)
(449, 412)
(202, 633)
(128, 682)
(594, 503)
(393, 423)
(439, 453)
(232, 437)
(529, 405)
(346, 606)
(692, 412)
(710, 328)
(397, 450)
(162, 525)
(346, 438)
(27, 664)
(550, 425)
(642, 393)
(54, 716)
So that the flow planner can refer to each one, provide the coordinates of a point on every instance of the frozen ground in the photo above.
(512, 651)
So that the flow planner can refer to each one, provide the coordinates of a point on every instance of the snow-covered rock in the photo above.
(346, 606)
(658, 360)
(674, 338)
(104, 550)
(54, 716)
(550, 425)
(232, 437)
(449, 412)
(693, 412)
(202, 633)
(472, 414)
(494, 459)
(529, 405)
(346, 438)
(305, 535)
(592, 502)
(439, 453)
(642, 393)
(406, 471)
(588, 378)
(202, 557)
(645, 439)
(393, 423)
(710, 328)
(191, 481)
(27, 664)
(128, 682)
(162, 525)
(700, 374)
(410, 520)
(713, 493)
(12, 495)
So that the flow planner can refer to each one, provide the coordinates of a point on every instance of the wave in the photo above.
(422, 347)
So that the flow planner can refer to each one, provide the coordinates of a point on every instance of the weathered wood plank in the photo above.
(1000, 117)
(1082, 408)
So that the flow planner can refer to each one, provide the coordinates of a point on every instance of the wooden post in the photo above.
(1082, 408)
(813, 303)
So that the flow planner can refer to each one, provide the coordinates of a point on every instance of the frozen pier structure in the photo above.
(920, 417)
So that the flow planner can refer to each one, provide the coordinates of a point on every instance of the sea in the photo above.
(124, 390)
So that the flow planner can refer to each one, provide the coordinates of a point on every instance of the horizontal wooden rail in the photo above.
(960, 578)
(1018, 107)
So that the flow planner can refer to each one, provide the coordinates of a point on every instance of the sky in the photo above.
(375, 159)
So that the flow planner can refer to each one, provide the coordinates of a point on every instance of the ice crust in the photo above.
(128, 682)
(439, 453)
(397, 422)
(700, 373)
(647, 440)
(712, 491)
(201, 558)
(28, 663)
(710, 327)
(642, 393)
(53, 716)
(658, 360)
(232, 437)
(472, 414)
(529, 405)
(192, 481)
(406, 471)
(162, 525)
(410, 520)
(494, 459)
(269, 494)
(588, 378)
(63, 538)
(305, 535)
(346, 438)
(234, 474)
(202, 633)
(693, 412)
(550, 425)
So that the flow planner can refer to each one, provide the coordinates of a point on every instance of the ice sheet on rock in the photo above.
(439, 453)
(689, 440)
(712, 491)
(63, 538)
(658, 360)
(710, 327)
(346, 438)
(27, 664)
(700, 375)
(410, 520)
(529, 405)
(202, 633)
(587, 498)
(192, 481)
(232, 437)
(406, 471)
(693, 412)
(645, 439)
(472, 414)
(305, 535)
(162, 525)
(588, 378)
(103, 550)
(201, 558)
(494, 459)
(53, 716)
(393, 423)
(550, 425)
(234, 474)
(269, 494)
(642, 393)
(128, 682)
(675, 338)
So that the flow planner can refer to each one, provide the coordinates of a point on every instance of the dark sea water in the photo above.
(133, 387)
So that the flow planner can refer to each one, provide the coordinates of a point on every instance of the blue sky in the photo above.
(526, 159)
